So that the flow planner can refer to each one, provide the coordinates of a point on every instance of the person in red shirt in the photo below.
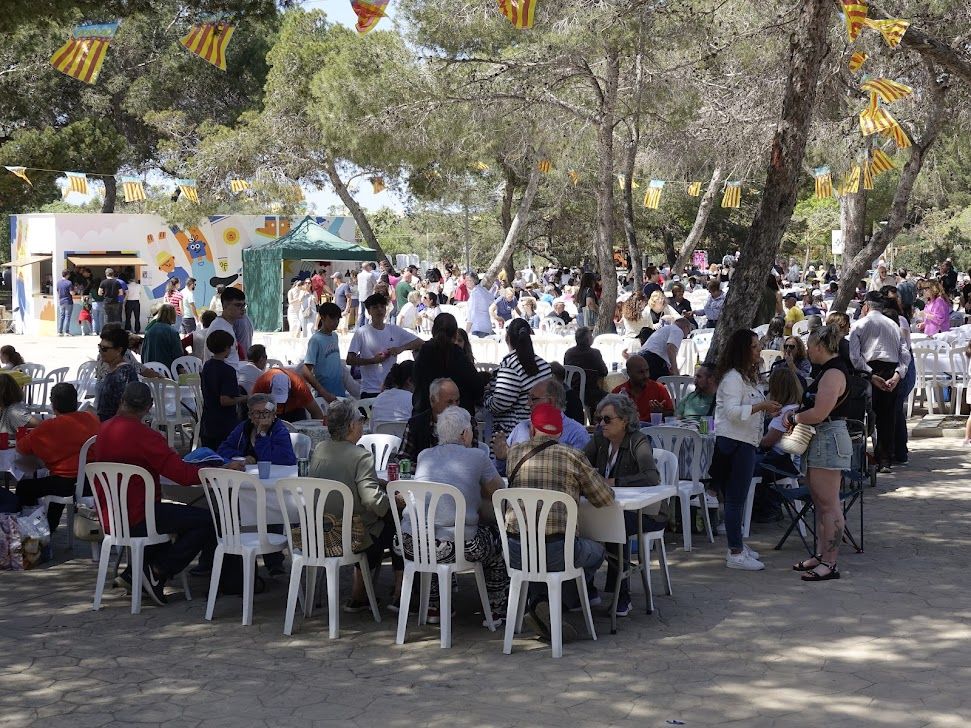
(293, 396)
(126, 439)
(648, 395)
(57, 443)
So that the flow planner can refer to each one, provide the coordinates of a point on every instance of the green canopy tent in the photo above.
(263, 267)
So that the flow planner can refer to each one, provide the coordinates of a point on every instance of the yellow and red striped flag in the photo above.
(856, 61)
(892, 29)
(694, 189)
(851, 183)
(652, 198)
(621, 179)
(824, 183)
(188, 188)
(377, 184)
(888, 91)
(368, 13)
(132, 188)
(20, 172)
(875, 118)
(82, 56)
(480, 167)
(867, 177)
(733, 195)
(518, 12)
(208, 40)
(899, 136)
(880, 162)
(544, 166)
(854, 11)
(76, 182)
(238, 185)
(574, 177)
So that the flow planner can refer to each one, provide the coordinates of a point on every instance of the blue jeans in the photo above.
(97, 315)
(587, 554)
(900, 453)
(733, 464)
(64, 311)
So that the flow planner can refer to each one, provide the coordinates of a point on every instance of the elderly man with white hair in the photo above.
(455, 461)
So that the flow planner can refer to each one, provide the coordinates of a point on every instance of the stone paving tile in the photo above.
(884, 646)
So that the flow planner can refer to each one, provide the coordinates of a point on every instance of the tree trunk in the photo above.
(505, 216)
(516, 224)
(605, 193)
(931, 49)
(111, 194)
(853, 222)
(855, 267)
(808, 49)
(355, 209)
(701, 219)
(630, 232)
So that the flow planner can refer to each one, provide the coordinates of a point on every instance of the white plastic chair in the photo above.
(186, 365)
(222, 488)
(421, 503)
(168, 412)
(85, 379)
(302, 445)
(35, 393)
(576, 373)
(552, 325)
(761, 330)
(382, 447)
(57, 376)
(769, 357)
(800, 327)
(531, 509)
(389, 427)
(687, 358)
(678, 386)
(307, 497)
(109, 484)
(71, 501)
(486, 367)
(159, 367)
(932, 359)
(749, 503)
(194, 382)
(673, 439)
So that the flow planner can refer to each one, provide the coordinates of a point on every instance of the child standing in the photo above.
(84, 317)
(220, 391)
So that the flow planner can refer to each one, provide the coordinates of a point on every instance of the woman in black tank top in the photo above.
(830, 452)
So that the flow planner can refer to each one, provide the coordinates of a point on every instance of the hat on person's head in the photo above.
(793, 296)
(137, 396)
(338, 274)
(558, 300)
(280, 388)
(547, 419)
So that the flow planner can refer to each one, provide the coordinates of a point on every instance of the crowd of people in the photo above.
(539, 433)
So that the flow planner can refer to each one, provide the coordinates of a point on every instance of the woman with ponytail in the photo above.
(443, 356)
(518, 371)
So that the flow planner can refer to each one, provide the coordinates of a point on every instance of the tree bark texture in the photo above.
(605, 191)
(630, 232)
(853, 222)
(355, 209)
(701, 220)
(931, 49)
(855, 267)
(516, 224)
(111, 195)
(808, 48)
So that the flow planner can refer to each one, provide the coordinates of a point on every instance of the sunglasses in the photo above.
(789, 347)
(606, 419)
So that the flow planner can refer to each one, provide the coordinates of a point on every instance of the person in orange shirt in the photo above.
(648, 395)
(293, 396)
(57, 443)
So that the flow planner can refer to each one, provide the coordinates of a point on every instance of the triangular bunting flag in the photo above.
(892, 29)
(621, 179)
(81, 57)
(377, 184)
(188, 188)
(544, 166)
(899, 136)
(888, 91)
(851, 183)
(824, 183)
(208, 41)
(854, 11)
(880, 162)
(76, 182)
(867, 177)
(875, 118)
(652, 198)
(132, 188)
(518, 12)
(368, 13)
(20, 172)
(480, 167)
(856, 61)
(733, 195)
(574, 176)
(694, 189)
(238, 185)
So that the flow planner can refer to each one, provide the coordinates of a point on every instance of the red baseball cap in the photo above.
(547, 419)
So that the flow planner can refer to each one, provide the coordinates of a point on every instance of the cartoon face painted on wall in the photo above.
(198, 251)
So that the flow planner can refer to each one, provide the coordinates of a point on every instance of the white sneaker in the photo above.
(750, 552)
(743, 561)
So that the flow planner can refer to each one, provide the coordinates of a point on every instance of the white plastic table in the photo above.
(17, 465)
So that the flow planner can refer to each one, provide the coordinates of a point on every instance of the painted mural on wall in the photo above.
(210, 252)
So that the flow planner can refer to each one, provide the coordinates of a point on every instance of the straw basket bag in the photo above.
(796, 441)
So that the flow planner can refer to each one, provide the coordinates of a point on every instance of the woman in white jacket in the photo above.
(739, 408)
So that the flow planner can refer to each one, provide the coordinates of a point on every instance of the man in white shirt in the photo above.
(661, 349)
(250, 370)
(190, 314)
(480, 301)
(365, 287)
(375, 346)
(234, 306)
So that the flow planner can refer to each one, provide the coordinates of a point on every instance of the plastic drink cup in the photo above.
(392, 472)
(711, 424)
(656, 418)
(4, 440)
(263, 467)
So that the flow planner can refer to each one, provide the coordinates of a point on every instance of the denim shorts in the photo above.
(831, 448)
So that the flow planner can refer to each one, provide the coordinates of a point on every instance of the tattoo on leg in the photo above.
(837, 535)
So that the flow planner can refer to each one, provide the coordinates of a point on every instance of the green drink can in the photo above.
(703, 426)
(404, 469)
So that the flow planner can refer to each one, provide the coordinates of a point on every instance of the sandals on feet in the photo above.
(805, 566)
(831, 573)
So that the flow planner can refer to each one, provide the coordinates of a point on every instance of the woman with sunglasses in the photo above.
(116, 371)
(623, 455)
(427, 315)
(795, 358)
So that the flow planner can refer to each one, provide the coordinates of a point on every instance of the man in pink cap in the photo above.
(542, 462)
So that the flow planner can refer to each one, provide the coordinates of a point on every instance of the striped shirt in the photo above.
(876, 338)
(509, 399)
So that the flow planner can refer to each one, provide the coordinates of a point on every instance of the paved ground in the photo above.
(884, 646)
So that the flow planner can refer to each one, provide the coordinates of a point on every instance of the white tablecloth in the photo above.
(247, 496)
(19, 465)
(606, 524)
